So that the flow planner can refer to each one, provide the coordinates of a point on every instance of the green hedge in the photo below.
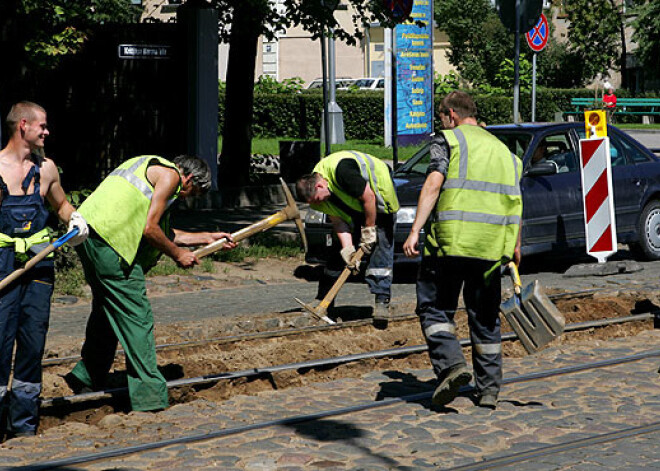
(298, 115)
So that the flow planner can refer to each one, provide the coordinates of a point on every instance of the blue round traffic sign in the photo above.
(399, 10)
(537, 37)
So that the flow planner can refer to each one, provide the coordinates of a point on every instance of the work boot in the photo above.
(77, 386)
(381, 312)
(458, 376)
(488, 400)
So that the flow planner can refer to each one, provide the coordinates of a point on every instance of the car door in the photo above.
(552, 204)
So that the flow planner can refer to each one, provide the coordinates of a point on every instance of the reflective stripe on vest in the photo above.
(380, 201)
(128, 174)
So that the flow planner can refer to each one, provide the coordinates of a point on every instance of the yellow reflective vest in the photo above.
(479, 209)
(117, 209)
(372, 169)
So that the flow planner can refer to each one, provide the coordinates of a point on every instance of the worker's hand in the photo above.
(348, 253)
(230, 244)
(76, 221)
(368, 237)
(410, 245)
(186, 259)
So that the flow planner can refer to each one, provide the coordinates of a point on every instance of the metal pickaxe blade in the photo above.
(320, 310)
(288, 213)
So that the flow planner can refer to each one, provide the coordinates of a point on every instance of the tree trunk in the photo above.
(239, 97)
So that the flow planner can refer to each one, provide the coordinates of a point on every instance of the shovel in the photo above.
(530, 313)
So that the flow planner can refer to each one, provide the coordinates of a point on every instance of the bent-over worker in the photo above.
(472, 189)
(129, 220)
(356, 191)
(26, 180)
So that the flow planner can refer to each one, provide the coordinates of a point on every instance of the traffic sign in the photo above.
(598, 197)
(537, 37)
(529, 12)
(399, 10)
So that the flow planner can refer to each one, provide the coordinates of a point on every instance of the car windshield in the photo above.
(516, 141)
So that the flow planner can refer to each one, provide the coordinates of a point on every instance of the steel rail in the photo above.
(559, 448)
(286, 332)
(104, 455)
(322, 362)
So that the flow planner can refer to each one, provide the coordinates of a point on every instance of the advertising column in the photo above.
(414, 81)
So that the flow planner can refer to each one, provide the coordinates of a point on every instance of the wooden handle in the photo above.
(31, 263)
(325, 302)
(515, 277)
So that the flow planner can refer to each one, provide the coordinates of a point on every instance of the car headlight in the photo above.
(406, 215)
(314, 217)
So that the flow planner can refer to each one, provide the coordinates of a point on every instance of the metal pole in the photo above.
(516, 66)
(334, 110)
(326, 120)
(389, 83)
(534, 88)
(395, 150)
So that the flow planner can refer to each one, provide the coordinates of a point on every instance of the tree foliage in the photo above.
(594, 34)
(647, 36)
(47, 30)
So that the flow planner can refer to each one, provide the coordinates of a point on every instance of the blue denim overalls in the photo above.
(24, 309)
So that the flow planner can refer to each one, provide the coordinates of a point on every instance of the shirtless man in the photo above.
(27, 179)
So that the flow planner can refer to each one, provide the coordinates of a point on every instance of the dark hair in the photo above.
(461, 103)
(22, 110)
(305, 190)
(198, 168)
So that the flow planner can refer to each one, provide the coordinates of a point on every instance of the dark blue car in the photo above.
(553, 214)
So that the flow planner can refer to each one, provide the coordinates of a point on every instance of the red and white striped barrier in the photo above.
(598, 197)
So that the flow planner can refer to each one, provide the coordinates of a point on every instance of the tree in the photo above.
(596, 35)
(479, 43)
(242, 22)
(647, 36)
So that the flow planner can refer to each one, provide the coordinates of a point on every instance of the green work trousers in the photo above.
(120, 312)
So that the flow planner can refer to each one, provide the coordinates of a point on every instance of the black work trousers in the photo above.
(439, 284)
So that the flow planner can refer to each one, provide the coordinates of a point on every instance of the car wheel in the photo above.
(648, 229)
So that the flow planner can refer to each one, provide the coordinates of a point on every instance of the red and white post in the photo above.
(598, 197)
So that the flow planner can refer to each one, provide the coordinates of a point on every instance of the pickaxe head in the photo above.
(292, 212)
(317, 312)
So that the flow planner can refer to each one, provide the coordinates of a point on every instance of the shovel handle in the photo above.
(515, 277)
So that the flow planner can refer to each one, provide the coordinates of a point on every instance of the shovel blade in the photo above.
(534, 318)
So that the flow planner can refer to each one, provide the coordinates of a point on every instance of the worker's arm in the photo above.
(343, 231)
(427, 199)
(368, 200)
(165, 181)
(184, 238)
(517, 254)
(54, 192)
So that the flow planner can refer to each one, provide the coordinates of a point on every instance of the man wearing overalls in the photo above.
(26, 178)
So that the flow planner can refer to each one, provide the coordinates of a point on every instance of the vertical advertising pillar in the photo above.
(414, 75)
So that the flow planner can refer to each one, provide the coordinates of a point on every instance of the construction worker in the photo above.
(474, 228)
(26, 179)
(129, 219)
(356, 191)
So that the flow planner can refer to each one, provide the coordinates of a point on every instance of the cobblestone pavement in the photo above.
(405, 435)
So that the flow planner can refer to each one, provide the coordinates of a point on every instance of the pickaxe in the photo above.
(290, 212)
(321, 310)
(37, 258)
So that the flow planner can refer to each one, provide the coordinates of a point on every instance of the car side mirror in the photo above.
(540, 169)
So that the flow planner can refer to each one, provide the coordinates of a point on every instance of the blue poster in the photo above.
(414, 75)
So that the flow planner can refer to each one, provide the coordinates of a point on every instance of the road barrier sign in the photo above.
(598, 197)
(537, 37)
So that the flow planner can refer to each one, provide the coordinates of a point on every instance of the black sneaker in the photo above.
(77, 386)
(447, 391)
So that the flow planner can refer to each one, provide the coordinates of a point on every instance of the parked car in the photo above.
(340, 83)
(376, 83)
(553, 218)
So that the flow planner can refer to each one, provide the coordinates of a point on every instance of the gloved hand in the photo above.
(347, 254)
(77, 221)
(368, 239)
